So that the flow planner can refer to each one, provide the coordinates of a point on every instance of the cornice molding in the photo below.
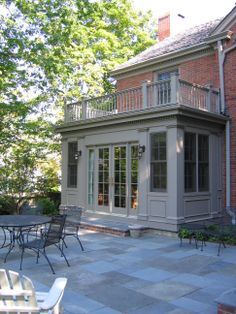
(140, 117)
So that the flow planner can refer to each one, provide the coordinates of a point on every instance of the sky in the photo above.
(195, 11)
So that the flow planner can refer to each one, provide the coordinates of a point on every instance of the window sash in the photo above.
(91, 174)
(196, 164)
(158, 167)
(72, 167)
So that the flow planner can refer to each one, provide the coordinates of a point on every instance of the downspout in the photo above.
(221, 56)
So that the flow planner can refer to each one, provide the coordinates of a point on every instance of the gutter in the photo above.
(221, 55)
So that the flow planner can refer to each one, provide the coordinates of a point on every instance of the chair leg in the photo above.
(62, 254)
(56, 309)
(181, 241)
(49, 263)
(12, 244)
(80, 243)
(37, 260)
(64, 242)
(21, 257)
(219, 246)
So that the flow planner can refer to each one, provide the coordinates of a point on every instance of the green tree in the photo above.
(50, 50)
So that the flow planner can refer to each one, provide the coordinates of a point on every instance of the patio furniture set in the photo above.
(36, 232)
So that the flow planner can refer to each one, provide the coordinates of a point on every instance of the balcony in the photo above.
(150, 95)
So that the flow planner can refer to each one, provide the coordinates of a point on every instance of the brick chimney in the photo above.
(164, 27)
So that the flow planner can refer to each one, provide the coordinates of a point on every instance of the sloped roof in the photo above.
(189, 38)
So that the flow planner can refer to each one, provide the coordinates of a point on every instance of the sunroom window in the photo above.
(196, 166)
(72, 165)
(158, 162)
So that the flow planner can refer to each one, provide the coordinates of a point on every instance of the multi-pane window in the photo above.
(72, 165)
(203, 163)
(91, 177)
(196, 166)
(190, 162)
(164, 89)
(103, 176)
(120, 165)
(134, 177)
(158, 162)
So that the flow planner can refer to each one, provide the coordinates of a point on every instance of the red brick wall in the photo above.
(223, 309)
(201, 71)
(230, 100)
(134, 81)
(164, 27)
(204, 70)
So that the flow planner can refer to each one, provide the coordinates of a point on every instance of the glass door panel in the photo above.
(133, 194)
(103, 177)
(120, 175)
(116, 179)
(91, 177)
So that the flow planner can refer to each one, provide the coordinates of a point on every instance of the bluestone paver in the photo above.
(150, 274)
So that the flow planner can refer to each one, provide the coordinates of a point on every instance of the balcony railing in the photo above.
(150, 95)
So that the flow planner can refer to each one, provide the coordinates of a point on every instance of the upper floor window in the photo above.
(72, 165)
(161, 76)
(196, 162)
(163, 87)
(158, 162)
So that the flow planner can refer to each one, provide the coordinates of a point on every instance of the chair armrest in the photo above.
(15, 292)
(41, 296)
(54, 295)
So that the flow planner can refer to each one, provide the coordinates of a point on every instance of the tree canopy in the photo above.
(53, 49)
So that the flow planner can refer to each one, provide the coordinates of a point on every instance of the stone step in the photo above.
(105, 226)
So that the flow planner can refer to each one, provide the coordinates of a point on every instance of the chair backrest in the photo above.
(16, 294)
(73, 213)
(55, 230)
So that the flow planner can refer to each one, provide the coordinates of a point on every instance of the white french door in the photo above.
(115, 179)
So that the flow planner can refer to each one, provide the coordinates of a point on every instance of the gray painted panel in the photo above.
(196, 207)
(157, 208)
(72, 199)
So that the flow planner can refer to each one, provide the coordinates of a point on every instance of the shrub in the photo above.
(7, 205)
(184, 233)
(48, 206)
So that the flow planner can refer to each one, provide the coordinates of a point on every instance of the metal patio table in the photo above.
(14, 224)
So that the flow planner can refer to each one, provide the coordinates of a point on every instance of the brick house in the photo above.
(161, 150)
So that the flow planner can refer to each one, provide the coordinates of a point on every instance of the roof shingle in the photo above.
(189, 38)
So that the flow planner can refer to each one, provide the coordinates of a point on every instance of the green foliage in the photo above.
(49, 50)
(48, 206)
(24, 171)
(212, 233)
(7, 205)
(213, 227)
(184, 233)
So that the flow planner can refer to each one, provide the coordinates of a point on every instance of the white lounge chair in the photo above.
(17, 295)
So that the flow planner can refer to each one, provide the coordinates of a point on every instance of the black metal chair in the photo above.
(193, 231)
(53, 235)
(222, 234)
(72, 225)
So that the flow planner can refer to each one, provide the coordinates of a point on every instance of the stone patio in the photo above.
(150, 274)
